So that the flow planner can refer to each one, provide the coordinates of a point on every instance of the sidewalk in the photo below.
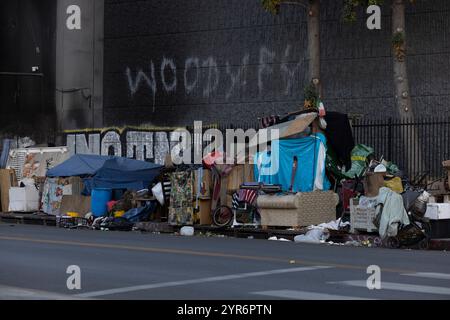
(336, 237)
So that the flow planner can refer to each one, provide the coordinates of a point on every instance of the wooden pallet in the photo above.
(21, 218)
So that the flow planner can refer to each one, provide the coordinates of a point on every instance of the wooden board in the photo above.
(7, 180)
(239, 174)
(205, 212)
(206, 186)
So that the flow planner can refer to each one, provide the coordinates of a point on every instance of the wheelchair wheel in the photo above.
(426, 227)
(222, 216)
(393, 242)
(424, 244)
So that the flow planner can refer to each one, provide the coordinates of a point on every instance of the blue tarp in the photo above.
(275, 167)
(108, 172)
(79, 165)
(140, 214)
(5, 152)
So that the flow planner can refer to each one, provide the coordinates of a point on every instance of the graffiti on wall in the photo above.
(180, 143)
(146, 145)
(206, 75)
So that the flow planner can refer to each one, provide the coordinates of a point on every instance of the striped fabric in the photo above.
(244, 195)
(235, 200)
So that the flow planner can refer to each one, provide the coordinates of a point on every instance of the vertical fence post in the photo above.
(389, 138)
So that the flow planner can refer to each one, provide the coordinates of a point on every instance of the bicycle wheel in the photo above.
(222, 216)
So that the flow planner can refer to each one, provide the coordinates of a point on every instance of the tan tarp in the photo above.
(285, 129)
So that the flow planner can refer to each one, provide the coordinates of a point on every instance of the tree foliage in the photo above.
(398, 41)
(350, 7)
(273, 6)
(311, 97)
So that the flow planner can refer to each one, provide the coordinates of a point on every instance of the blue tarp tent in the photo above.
(79, 165)
(108, 172)
(275, 167)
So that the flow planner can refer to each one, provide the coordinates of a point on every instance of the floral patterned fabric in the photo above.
(181, 209)
(52, 194)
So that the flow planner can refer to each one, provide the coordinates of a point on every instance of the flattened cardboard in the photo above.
(75, 203)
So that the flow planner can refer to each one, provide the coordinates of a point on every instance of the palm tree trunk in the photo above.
(314, 44)
(402, 96)
(401, 83)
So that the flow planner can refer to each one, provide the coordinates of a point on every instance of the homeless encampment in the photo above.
(107, 172)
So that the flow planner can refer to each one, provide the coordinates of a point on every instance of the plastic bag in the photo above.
(141, 213)
(394, 184)
(361, 155)
(392, 168)
(187, 231)
(157, 191)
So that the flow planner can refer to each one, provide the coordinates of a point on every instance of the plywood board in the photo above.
(7, 180)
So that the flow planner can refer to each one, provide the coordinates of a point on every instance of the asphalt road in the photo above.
(129, 265)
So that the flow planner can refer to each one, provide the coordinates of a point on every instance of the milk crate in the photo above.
(71, 222)
(361, 219)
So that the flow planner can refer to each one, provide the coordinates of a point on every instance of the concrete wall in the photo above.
(27, 39)
(168, 63)
(66, 92)
(172, 62)
(79, 66)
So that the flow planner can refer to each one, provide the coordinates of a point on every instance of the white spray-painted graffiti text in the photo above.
(207, 77)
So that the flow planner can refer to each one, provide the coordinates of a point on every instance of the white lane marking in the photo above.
(431, 275)
(398, 287)
(15, 293)
(305, 295)
(196, 281)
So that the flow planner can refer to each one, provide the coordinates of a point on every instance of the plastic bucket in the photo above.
(99, 201)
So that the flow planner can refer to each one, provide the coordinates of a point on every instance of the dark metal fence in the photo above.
(416, 146)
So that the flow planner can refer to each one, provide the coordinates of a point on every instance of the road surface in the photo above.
(129, 265)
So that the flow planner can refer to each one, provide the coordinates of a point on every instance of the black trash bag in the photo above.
(117, 224)
(141, 213)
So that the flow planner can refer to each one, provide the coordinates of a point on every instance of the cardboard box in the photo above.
(372, 184)
(7, 180)
(23, 199)
(75, 203)
(361, 218)
(438, 211)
